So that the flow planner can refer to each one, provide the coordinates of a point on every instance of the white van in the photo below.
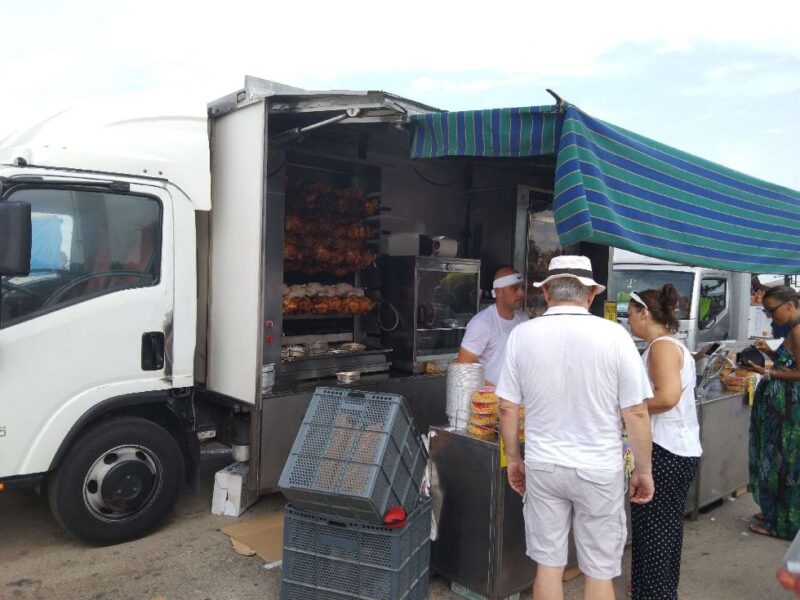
(715, 302)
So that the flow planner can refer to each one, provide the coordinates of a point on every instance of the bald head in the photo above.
(503, 271)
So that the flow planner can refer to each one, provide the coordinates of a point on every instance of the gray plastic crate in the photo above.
(356, 455)
(326, 558)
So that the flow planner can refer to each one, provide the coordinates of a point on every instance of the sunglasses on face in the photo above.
(770, 311)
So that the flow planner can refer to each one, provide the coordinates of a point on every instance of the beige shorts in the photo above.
(591, 501)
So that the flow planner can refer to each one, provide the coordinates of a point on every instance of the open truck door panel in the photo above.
(242, 327)
(246, 225)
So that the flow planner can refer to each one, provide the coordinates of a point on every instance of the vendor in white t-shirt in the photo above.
(487, 332)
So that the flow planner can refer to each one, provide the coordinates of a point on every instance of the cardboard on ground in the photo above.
(262, 536)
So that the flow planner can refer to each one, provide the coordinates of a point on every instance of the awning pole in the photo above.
(559, 101)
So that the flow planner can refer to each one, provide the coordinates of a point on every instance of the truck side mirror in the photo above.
(15, 238)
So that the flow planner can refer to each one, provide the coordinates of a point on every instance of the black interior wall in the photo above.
(477, 201)
(599, 255)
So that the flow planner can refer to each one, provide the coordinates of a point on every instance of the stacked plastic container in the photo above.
(357, 455)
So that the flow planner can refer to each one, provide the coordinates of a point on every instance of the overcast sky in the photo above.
(718, 79)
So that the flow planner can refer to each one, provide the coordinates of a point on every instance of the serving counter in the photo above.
(481, 531)
(724, 419)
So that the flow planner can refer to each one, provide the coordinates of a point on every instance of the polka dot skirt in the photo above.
(658, 528)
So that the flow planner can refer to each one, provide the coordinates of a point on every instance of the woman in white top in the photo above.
(658, 526)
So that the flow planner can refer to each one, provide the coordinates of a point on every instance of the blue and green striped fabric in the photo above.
(618, 188)
(499, 132)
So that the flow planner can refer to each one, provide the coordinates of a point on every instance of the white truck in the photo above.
(144, 257)
(136, 308)
(715, 303)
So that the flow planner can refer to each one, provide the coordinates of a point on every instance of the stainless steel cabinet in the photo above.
(724, 434)
(481, 542)
(428, 302)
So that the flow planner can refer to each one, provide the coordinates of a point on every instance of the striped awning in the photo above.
(499, 132)
(618, 188)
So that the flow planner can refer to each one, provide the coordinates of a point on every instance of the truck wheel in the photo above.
(117, 481)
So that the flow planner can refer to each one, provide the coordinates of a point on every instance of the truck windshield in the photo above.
(625, 281)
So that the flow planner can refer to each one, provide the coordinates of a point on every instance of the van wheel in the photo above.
(117, 481)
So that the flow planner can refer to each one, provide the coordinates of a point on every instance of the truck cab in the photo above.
(98, 314)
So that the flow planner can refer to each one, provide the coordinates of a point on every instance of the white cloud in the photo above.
(740, 156)
(56, 54)
(776, 131)
(450, 86)
(674, 45)
(748, 79)
(309, 43)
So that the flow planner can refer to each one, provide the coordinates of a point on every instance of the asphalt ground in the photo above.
(188, 558)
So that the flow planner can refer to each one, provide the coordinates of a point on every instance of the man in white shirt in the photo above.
(485, 339)
(574, 373)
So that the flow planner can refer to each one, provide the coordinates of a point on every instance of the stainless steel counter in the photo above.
(481, 542)
(717, 393)
(724, 419)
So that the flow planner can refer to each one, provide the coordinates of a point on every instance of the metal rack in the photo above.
(331, 327)
(328, 364)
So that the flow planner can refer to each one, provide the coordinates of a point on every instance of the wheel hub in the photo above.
(126, 485)
(121, 483)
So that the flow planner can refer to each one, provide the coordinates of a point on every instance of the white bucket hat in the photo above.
(579, 267)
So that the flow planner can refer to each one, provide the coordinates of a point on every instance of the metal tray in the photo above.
(324, 365)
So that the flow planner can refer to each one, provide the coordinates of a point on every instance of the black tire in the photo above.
(118, 480)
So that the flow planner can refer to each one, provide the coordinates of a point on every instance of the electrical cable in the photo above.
(436, 183)
(396, 316)
(277, 169)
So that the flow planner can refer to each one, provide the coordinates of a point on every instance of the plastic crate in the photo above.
(326, 558)
(356, 455)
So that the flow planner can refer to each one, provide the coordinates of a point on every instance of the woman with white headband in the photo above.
(487, 332)
(658, 526)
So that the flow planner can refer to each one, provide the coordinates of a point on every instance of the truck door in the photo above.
(713, 309)
(92, 321)
(248, 132)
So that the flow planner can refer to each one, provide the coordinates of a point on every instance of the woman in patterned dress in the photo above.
(775, 424)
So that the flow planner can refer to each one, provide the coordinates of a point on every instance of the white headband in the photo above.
(634, 296)
(505, 281)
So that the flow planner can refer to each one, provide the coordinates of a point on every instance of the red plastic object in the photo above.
(395, 517)
(787, 580)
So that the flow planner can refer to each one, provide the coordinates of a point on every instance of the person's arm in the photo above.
(664, 368)
(700, 353)
(764, 348)
(465, 356)
(640, 437)
(634, 390)
(509, 427)
(509, 431)
(474, 342)
(510, 393)
(784, 374)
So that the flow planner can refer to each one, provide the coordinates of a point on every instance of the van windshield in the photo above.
(625, 281)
